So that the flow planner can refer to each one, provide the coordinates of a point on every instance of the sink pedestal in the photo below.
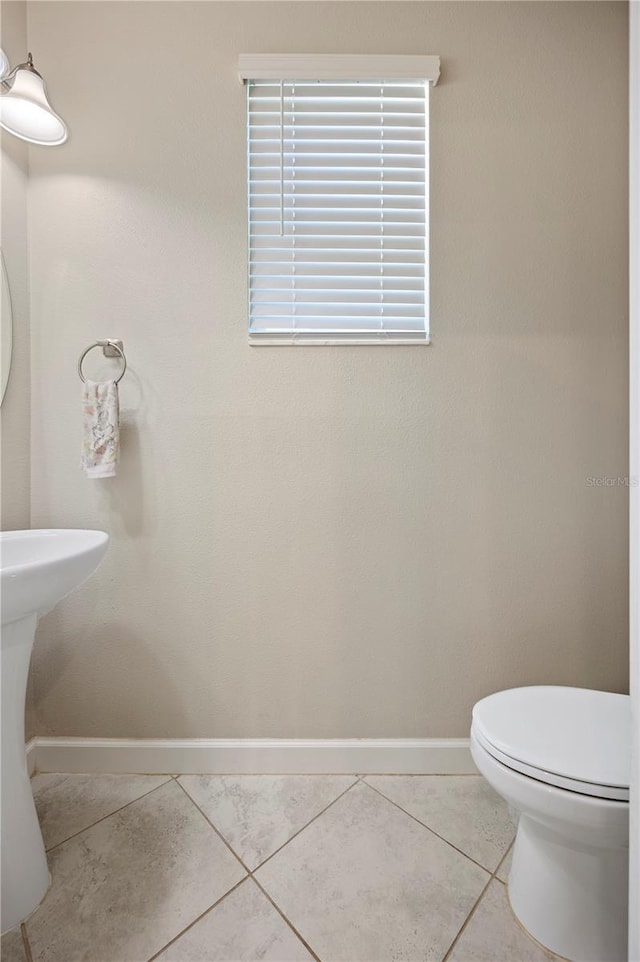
(25, 876)
(37, 570)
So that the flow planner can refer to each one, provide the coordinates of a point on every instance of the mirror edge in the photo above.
(6, 333)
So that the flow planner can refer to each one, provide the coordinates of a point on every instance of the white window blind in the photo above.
(338, 210)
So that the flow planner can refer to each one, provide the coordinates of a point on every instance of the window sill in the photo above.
(337, 342)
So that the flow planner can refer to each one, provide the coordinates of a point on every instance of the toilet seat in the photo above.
(573, 738)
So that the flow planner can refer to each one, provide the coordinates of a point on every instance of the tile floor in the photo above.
(280, 868)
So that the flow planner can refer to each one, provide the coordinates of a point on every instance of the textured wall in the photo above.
(333, 541)
(14, 416)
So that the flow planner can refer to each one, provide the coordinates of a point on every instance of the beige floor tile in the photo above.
(464, 809)
(67, 804)
(259, 813)
(505, 866)
(366, 882)
(493, 935)
(122, 889)
(11, 947)
(244, 927)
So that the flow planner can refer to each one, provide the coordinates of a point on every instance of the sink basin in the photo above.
(37, 570)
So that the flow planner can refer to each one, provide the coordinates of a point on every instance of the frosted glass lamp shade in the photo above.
(25, 109)
(4, 64)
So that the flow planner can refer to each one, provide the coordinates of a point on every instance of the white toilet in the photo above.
(560, 757)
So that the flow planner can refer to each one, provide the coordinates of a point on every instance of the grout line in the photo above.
(447, 954)
(429, 829)
(165, 775)
(280, 847)
(285, 919)
(250, 875)
(25, 943)
(215, 905)
(285, 774)
(98, 820)
(306, 825)
(364, 775)
(250, 872)
(217, 831)
(237, 774)
(196, 920)
(494, 878)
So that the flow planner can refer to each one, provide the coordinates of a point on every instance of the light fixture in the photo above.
(25, 109)
(4, 65)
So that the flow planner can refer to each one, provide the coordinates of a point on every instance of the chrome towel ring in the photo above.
(110, 348)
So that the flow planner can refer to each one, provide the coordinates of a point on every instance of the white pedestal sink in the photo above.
(37, 569)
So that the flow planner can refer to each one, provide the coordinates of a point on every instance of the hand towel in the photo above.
(100, 411)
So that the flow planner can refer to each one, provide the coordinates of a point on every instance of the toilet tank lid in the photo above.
(578, 733)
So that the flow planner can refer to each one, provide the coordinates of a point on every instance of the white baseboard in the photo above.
(212, 756)
(30, 751)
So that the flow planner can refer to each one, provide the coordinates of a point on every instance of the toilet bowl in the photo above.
(560, 757)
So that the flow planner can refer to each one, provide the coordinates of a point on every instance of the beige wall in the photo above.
(14, 416)
(333, 541)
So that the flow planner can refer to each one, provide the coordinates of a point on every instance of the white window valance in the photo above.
(299, 66)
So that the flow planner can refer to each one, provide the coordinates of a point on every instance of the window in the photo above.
(338, 198)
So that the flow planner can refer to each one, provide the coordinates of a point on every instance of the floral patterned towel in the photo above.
(100, 411)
